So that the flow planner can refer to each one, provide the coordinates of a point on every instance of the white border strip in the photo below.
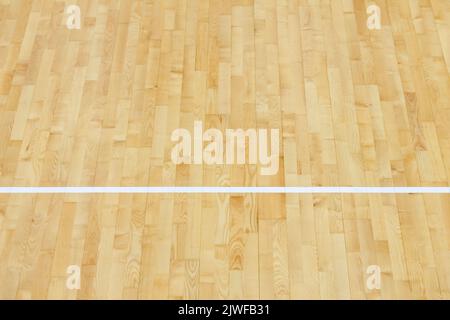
(243, 190)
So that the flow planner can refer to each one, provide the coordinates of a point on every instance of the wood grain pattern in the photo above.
(96, 107)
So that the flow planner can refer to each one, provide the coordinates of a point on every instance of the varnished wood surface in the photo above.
(96, 107)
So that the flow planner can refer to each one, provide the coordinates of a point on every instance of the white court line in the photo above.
(169, 190)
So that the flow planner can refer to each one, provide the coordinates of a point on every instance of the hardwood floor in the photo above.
(97, 106)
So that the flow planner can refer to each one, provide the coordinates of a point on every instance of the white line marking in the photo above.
(284, 190)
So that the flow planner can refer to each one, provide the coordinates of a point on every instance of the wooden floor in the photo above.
(96, 107)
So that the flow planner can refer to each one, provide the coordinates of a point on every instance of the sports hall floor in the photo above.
(96, 107)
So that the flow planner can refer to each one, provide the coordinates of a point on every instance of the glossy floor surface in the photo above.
(97, 106)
